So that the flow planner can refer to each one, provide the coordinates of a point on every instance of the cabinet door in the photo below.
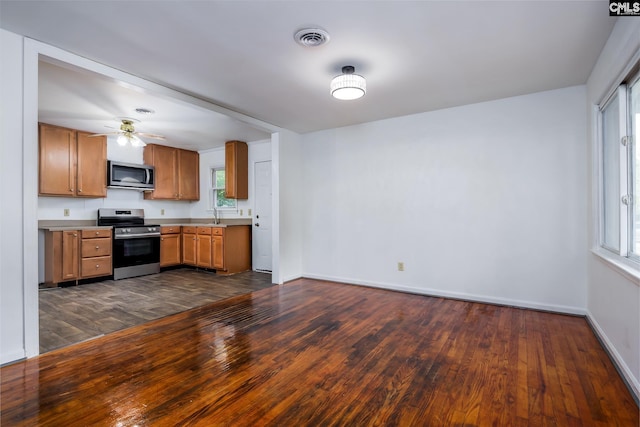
(165, 161)
(169, 250)
(188, 175)
(70, 255)
(189, 249)
(218, 252)
(236, 170)
(57, 162)
(91, 165)
(203, 251)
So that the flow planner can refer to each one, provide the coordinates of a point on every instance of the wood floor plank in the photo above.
(312, 353)
(72, 314)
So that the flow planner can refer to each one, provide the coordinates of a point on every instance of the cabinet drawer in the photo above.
(170, 229)
(98, 266)
(188, 230)
(217, 231)
(90, 234)
(204, 230)
(96, 247)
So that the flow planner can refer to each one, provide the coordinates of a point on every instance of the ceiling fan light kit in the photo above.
(128, 135)
(348, 86)
(128, 138)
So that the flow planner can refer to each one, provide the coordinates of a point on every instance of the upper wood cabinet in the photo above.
(177, 173)
(188, 175)
(236, 170)
(71, 163)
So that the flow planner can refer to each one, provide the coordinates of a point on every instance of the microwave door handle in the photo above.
(148, 175)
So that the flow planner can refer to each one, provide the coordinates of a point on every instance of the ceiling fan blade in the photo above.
(104, 134)
(150, 135)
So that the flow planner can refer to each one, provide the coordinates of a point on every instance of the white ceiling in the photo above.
(416, 56)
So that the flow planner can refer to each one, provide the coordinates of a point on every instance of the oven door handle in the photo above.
(136, 236)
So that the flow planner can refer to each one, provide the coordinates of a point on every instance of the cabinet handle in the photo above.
(97, 265)
(79, 190)
(162, 239)
(97, 232)
(75, 235)
(97, 247)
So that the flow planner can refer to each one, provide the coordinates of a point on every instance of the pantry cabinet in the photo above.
(177, 173)
(71, 163)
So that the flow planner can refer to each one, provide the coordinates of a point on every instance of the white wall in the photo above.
(288, 200)
(12, 320)
(483, 201)
(613, 296)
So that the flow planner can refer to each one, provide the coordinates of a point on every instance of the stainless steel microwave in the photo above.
(130, 175)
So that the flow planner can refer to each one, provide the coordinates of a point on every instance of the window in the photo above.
(218, 200)
(620, 170)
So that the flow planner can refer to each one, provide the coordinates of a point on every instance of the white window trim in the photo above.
(212, 192)
(627, 266)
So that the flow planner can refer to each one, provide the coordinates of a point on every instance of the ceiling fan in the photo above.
(128, 134)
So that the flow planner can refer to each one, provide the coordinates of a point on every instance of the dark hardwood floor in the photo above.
(69, 315)
(312, 353)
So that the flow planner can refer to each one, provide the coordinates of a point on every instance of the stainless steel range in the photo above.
(136, 245)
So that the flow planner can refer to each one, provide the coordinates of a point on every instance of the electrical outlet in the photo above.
(161, 211)
(241, 212)
(400, 266)
(249, 212)
(66, 212)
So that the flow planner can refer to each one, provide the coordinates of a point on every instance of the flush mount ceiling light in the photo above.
(347, 85)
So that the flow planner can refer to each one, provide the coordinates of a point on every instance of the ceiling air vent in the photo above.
(311, 37)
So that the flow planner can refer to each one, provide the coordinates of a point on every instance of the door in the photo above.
(262, 217)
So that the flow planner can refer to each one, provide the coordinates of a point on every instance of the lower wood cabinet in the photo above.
(96, 253)
(77, 254)
(203, 247)
(224, 249)
(170, 246)
(189, 245)
(232, 249)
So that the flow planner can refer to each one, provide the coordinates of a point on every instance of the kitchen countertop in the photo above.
(78, 227)
(64, 225)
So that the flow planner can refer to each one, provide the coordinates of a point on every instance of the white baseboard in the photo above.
(632, 382)
(456, 295)
(8, 358)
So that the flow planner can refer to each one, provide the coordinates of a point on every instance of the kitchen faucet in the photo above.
(215, 216)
